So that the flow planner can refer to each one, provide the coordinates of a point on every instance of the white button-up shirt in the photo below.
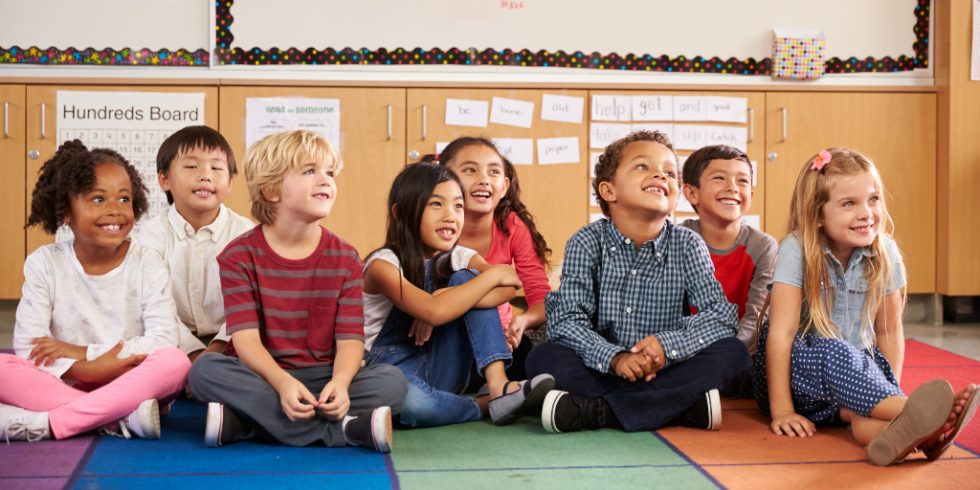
(192, 259)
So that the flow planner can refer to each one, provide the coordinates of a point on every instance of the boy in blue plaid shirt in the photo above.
(620, 347)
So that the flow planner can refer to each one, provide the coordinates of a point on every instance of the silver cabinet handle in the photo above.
(6, 119)
(424, 114)
(784, 123)
(44, 129)
(751, 125)
(389, 122)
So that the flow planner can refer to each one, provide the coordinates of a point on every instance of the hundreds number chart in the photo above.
(131, 123)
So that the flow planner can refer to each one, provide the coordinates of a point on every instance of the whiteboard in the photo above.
(707, 28)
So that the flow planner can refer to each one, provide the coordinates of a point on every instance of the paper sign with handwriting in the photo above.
(461, 112)
(520, 151)
(602, 134)
(441, 145)
(512, 112)
(689, 136)
(683, 206)
(666, 128)
(592, 200)
(755, 172)
(611, 108)
(593, 161)
(561, 108)
(726, 109)
(653, 108)
(687, 108)
(726, 135)
(753, 220)
(558, 150)
(593, 217)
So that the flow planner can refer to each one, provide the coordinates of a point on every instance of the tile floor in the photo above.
(963, 339)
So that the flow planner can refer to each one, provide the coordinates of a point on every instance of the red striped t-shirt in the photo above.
(299, 306)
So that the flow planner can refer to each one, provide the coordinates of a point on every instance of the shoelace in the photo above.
(122, 428)
(591, 411)
(22, 428)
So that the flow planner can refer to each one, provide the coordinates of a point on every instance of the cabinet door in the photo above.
(755, 141)
(555, 194)
(42, 131)
(372, 146)
(898, 131)
(13, 156)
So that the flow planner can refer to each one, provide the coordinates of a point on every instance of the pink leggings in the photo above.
(74, 410)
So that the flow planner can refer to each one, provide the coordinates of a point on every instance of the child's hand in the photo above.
(515, 331)
(421, 331)
(105, 368)
(334, 401)
(292, 394)
(792, 424)
(507, 276)
(47, 350)
(631, 366)
(654, 352)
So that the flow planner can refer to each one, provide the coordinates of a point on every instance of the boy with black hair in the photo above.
(718, 183)
(619, 343)
(195, 167)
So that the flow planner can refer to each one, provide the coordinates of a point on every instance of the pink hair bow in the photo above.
(822, 158)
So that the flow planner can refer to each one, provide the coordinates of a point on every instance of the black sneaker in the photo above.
(371, 430)
(225, 426)
(563, 412)
(705, 414)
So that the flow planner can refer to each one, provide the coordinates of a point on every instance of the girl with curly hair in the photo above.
(96, 330)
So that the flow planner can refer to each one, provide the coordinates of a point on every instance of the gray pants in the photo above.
(228, 381)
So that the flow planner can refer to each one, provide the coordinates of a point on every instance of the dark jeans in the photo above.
(228, 381)
(516, 371)
(639, 405)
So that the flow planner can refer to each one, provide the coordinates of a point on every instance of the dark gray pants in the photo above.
(228, 381)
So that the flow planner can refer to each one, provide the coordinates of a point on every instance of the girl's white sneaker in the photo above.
(18, 424)
(144, 422)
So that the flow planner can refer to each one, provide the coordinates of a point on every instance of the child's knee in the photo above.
(463, 276)
(394, 383)
(171, 360)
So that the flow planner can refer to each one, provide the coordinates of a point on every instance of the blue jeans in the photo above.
(439, 370)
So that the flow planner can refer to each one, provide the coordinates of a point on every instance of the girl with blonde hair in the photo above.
(832, 349)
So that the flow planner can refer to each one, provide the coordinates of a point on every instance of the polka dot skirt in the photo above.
(829, 374)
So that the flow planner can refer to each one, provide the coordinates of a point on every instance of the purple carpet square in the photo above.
(42, 458)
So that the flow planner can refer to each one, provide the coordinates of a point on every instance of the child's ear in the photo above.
(268, 197)
(394, 211)
(691, 194)
(163, 178)
(606, 192)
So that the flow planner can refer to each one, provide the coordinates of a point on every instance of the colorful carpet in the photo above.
(744, 454)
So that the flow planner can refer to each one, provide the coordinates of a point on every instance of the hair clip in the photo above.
(822, 158)
(436, 158)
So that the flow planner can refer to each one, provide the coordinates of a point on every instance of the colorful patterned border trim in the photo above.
(227, 55)
(108, 56)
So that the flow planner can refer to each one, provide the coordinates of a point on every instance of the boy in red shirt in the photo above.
(718, 183)
(295, 314)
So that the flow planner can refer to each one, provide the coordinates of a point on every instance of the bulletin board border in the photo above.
(225, 54)
(104, 57)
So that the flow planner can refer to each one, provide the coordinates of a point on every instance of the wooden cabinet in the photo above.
(13, 156)
(756, 107)
(898, 131)
(372, 146)
(42, 133)
(555, 194)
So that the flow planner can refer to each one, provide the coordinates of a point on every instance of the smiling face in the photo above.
(852, 215)
(308, 193)
(645, 181)
(199, 180)
(482, 172)
(725, 193)
(442, 218)
(103, 216)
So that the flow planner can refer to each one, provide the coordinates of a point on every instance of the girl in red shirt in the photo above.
(500, 228)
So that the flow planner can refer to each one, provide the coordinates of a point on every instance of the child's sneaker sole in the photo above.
(714, 409)
(548, 410)
(381, 428)
(212, 432)
(148, 415)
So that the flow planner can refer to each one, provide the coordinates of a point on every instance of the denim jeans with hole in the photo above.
(439, 370)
